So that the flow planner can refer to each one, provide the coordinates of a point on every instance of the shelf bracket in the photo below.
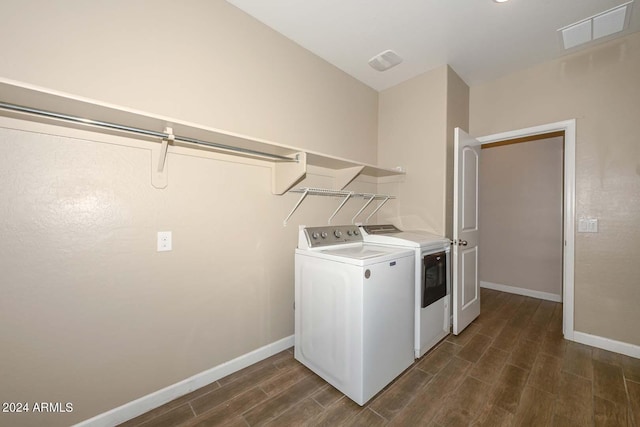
(304, 194)
(339, 207)
(344, 176)
(286, 174)
(159, 168)
(377, 209)
(371, 199)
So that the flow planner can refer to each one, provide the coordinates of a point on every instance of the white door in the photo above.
(466, 286)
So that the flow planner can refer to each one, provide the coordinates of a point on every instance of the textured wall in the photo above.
(457, 116)
(412, 134)
(90, 313)
(416, 122)
(197, 60)
(600, 88)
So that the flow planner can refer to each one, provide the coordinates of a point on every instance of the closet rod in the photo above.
(162, 135)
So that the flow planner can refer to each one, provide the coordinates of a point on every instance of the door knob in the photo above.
(462, 242)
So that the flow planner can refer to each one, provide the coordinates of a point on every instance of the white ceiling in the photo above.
(480, 39)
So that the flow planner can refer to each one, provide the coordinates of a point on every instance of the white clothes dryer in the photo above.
(432, 279)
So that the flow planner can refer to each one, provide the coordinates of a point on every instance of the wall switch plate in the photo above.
(587, 225)
(164, 241)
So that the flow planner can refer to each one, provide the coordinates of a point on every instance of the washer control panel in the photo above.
(330, 235)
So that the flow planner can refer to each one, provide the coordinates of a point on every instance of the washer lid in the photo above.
(358, 253)
(362, 252)
(412, 239)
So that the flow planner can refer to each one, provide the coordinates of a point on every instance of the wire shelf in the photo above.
(312, 191)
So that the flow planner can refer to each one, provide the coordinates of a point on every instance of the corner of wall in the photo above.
(457, 116)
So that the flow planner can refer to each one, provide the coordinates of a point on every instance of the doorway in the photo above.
(520, 216)
(568, 127)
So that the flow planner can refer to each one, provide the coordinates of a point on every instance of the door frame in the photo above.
(569, 207)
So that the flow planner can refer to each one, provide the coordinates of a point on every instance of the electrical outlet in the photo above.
(164, 241)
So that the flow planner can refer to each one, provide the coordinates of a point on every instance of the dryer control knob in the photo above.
(356, 232)
(315, 235)
(350, 233)
(324, 234)
(337, 233)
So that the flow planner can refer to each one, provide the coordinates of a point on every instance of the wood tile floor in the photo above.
(511, 366)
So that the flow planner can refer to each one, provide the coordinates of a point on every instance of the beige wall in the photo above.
(93, 315)
(90, 313)
(196, 60)
(520, 215)
(457, 116)
(412, 117)
(416, 121)
(600, 88)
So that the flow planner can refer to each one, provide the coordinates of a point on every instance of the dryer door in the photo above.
(434, 278)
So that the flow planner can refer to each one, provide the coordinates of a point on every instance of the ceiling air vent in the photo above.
(385, 60)
(601, 25)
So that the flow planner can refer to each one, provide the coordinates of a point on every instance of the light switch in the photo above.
(164, 241)
(587, 225)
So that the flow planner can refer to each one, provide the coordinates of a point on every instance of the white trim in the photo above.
(151, 401)
(568, 276)
(522, 291)
(607, 344)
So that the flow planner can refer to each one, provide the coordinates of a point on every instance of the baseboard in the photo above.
(607, 344)
(151, 401)
(522, 291)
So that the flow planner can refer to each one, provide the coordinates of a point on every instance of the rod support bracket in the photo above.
(285, 175)
(164, 147)
(159, 177)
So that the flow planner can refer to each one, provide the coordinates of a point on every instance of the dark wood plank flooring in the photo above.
(510, 367)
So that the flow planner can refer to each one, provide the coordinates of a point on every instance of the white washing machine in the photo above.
(353, 309)
(432, 279)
